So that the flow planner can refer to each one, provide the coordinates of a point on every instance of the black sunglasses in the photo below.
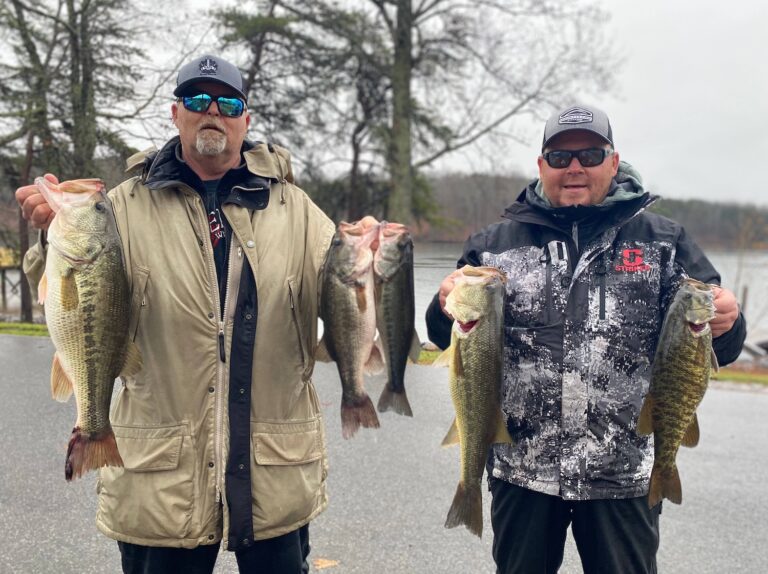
(589, 157)
(229, 107)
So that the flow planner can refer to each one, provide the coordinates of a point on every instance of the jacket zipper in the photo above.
(218, 431)
(575, 235)
(601, 272)
(296, 325)
(546, 259)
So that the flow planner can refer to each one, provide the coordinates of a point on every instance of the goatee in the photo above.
(210, 142)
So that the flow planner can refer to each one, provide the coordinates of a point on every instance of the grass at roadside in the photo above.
(428, 357)
(741, 376)
(725, 374)
(29, 329)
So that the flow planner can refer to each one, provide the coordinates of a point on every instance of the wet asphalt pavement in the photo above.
(389, 489)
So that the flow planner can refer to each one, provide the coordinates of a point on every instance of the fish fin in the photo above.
(357, 414)
(691, 436)
(375, 363)
(42, 289)
(133, 361)
(654, 489)
(321, 352)
(86, 453)
(415, 351)
(444, 358)
(458, 365)
(714, 364)
(645, 420)
(362, 303)
(452, 437)
(394, 401)
(69, 296)
(501, 433)
(467, 509)
(665, 485)
(61, 386)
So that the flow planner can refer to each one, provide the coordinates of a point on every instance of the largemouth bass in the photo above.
(395, 312)
(679, 379)
(86, 297)
(348, 312)
(475, 361)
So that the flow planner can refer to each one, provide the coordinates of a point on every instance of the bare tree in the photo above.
(407, 82)
(67, 64)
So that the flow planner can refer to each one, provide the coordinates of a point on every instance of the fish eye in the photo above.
(99, 206)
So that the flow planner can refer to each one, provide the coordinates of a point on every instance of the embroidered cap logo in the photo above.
(208, 67)
(576, 116)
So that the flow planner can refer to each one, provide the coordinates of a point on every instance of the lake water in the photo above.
(433, 261)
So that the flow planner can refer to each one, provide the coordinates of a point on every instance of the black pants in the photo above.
(612, 536)
(286, 554)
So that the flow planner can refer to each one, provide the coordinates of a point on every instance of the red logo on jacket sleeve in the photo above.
(632, 261)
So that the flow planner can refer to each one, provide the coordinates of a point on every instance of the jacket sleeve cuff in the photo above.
(34, 263)
(438, 324)
(728, 346)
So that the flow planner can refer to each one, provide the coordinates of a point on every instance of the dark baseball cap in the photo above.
(586, 118)
(209, 69)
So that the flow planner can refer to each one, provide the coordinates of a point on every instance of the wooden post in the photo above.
(4, 299)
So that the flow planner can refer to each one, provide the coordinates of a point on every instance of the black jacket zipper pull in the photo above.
(222, 353)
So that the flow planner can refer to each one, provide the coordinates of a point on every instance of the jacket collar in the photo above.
(245, 185)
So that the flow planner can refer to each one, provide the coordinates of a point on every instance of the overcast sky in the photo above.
(691, 111)
(690, 106)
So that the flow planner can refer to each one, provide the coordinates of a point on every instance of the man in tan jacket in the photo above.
(221, 432)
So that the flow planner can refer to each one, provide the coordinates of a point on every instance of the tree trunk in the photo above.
(400, 201)
(26, 295)
(358, 200)
(81, 91)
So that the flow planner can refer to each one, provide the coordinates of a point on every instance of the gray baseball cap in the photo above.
(209, 69)
(586, 118)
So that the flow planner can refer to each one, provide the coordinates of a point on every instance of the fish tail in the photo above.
(467, 508)
(665, 484)
(394, 401)
(356, 414)
(86, 453)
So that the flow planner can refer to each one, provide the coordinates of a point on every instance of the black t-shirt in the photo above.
(219, 232)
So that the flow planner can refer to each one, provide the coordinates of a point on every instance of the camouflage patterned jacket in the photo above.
(587, 289)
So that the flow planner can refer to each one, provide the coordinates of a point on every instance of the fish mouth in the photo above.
(698, 328)
(467, 327)
(75, 261)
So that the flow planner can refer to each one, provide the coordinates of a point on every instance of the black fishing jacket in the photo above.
(587, 290)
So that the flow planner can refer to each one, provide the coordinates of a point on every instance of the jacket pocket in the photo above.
(287, 473)
(297, 324)
(152, 496)
(138, 298)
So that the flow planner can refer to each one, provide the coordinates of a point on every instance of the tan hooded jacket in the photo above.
(171, 420)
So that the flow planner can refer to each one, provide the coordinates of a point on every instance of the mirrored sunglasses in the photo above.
(589, 157)
(229, 107)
